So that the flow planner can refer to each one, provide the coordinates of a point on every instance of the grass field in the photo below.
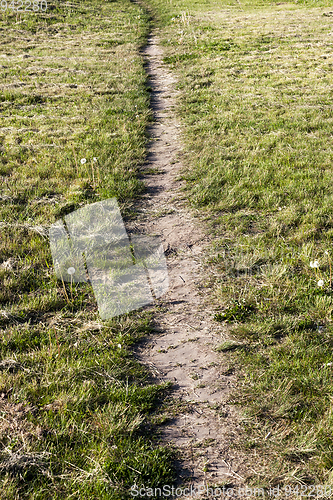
(255, 80)
(77, 411)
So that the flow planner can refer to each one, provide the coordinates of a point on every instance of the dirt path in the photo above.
(182, 347)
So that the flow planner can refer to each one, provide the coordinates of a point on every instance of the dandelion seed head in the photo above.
(315, 263)
(71, 270)
(320, 283)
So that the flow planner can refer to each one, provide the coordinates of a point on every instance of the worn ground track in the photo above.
(182, 347)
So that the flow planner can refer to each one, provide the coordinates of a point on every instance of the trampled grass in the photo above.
(256, 109)
(77, 411)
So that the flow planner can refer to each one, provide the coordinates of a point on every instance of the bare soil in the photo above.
(181, 349)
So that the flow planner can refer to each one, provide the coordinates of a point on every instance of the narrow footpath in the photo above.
(181, 349)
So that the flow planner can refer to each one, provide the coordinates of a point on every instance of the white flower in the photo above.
(94, 158)
(119, 345)
(320, 283)
(71, 270)
(315, 263)
(326, 252)
(83, 160)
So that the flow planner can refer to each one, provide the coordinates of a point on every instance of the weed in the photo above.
(237, 311)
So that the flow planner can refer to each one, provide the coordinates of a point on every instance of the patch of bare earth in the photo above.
(17, 433)
(181, 349)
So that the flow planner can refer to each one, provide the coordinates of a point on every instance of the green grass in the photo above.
(255, 104)
(78, 413)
